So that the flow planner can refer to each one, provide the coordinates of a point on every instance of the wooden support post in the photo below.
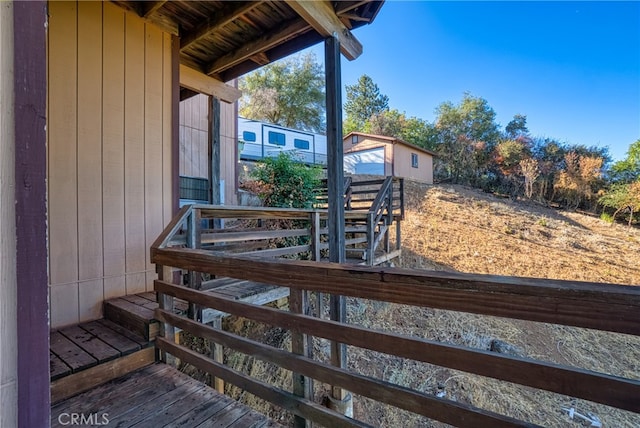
(335, 172)
(8, 272)
(301, 345)
(218, 356)
(335, 188)
(214, 146)
(29, 74)
(166, 302)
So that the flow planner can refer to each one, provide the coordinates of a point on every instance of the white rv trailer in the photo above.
(259, 140)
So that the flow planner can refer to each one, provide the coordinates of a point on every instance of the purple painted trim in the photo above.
(30, 86)
(175, 122)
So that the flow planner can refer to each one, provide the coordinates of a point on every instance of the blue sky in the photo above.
(573, 68)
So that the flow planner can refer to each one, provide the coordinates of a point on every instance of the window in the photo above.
(249, 137)
(414, 160)
(276, 138)
(301, 144)
(354, 139)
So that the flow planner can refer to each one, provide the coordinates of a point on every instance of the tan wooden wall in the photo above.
(194, 140)
(228, 150)
(402, 164)
(109, 154)
(194, 137)
(8, 278)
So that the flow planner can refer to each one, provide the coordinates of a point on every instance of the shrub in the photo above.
(606, 217)
(287, 183)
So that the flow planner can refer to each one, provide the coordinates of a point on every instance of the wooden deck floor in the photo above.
(157, 396)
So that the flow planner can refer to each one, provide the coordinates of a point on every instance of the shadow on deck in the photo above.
(155, 396)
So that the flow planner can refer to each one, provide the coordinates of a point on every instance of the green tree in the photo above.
(363, 101)
(288, 93)
(421, 133)
(622, 197)
(517, 126)
(392, 123)
(468, 133)
(628, 169)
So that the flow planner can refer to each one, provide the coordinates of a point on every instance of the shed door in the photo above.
(365, 162)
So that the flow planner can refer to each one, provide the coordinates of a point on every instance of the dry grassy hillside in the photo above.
(460, 229)
(466, 230)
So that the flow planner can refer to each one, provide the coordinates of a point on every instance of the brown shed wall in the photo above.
(403, 166)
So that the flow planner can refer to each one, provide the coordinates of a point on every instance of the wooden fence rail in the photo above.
(605, 307)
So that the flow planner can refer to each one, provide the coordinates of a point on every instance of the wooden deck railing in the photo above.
(605, 307)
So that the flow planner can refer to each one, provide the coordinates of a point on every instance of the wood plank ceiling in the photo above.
(226, 39)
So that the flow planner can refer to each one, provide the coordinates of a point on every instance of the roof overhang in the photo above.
(226, 39)
(389, 140)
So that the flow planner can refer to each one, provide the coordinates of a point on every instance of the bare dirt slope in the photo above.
(461, 229)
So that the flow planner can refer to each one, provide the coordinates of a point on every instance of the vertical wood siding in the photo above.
(109, 160)
(195, 137)
(8, 275)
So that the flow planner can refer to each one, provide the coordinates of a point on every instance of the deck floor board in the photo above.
(92, 344)
(158, 395)
(73, 355)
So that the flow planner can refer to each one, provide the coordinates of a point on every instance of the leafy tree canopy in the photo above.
(288, 93)
(413, 130)
(468, 133)
(517, 126)
(363, 101)
(628, 169)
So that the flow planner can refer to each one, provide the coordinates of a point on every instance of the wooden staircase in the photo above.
(372, 207)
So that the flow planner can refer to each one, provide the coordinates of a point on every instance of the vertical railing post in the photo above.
(316, 255)
(194, 241)
(315, 236)
(165, 302)
(301, 345)
(371, 237)
(217, 352)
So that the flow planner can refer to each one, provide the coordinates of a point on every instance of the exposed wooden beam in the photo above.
(353, 17)
(199, 82)
(345, 6)
(260, 58)
(225, 16)
(149, 7)
(164, 23)
(322, 17)
(287, 30)
(280, 51)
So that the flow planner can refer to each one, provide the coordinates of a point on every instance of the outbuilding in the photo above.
(389, 156)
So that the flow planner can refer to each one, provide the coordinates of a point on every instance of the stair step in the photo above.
(84, 380)
(89, 354)
(137, 318)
